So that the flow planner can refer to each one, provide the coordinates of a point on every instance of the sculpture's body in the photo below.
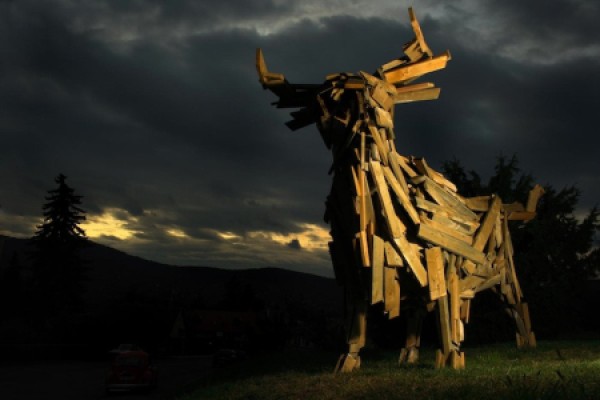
(401, 233)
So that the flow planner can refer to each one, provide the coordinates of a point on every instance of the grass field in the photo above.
(555, 370)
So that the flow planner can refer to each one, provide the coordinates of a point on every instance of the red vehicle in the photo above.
(131, 370)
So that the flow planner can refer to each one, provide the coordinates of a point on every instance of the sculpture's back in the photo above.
(400, 231)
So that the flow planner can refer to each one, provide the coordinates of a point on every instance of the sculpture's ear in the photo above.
(264, 76)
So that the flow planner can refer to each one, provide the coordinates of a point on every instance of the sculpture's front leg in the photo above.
(356, 331)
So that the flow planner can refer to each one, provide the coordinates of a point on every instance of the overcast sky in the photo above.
(154, 112)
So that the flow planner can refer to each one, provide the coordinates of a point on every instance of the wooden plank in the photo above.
(422, 167)
(524, 308)
(402, 196)
(391, 65)
(534, 197)
(515, 206)
(507, 240)
(498, 232)
(362, 179)
(383, 118)
(450, 243)
(444, 324)
(402, 162)
(336, 93)
(454, 294)
(417, 95)
(374, 154)
(368, 198)
(490, 247)
(441, 179)
(485, 230)
(391, 219)
(426, 170)
(470, 283)
(435, 272)
(509, 257)
(392, 257)
(491, 282)
(409, 71)
(395, 166)
(265, 77)
(392, 292)
(377, 270)
(465, 310)
(469, 267)
(415, 87)
(354, 85)
(521, 216)
(383, 151)
(412, 258)
(422, 47)
(479, 203)
(449, 227)
(382, 96)
(358, 328)
(371, 80)
(445, 198)
(364, 249)
(468, 225)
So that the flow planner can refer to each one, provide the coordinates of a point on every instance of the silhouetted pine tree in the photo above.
(57, 265)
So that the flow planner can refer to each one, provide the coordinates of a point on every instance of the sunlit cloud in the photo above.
(228, 235)
(311, 237)
(111, 223)
(178, 233)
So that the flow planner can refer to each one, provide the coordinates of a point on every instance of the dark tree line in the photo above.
(554, 253)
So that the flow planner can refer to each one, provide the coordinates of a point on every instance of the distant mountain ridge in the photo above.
(112, 274)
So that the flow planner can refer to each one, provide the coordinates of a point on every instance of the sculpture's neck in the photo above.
(356, 120)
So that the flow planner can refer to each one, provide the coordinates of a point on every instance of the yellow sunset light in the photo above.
(178, 233)
(107, 224)
(311, 237)
(228, 235)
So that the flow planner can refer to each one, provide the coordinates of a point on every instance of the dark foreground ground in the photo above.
(78, 380)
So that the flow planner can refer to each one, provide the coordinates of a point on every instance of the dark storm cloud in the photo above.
(154, 111)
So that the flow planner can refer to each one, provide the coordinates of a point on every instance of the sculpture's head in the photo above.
(345, 101)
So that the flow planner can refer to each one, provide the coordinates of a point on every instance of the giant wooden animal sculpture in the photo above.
(401, 232)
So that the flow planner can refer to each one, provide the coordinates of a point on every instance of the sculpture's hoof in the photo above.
(347, 363)
(455, 359)
(526, 342)
(409, 356)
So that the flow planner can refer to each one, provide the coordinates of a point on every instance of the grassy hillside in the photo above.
(556, 370)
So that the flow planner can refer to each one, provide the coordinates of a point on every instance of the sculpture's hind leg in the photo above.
(520, 313)
(410, 353)
(513, 296)
(356, 330)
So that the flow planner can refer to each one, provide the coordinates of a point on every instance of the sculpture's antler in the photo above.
(416, 48)
(419, 59)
